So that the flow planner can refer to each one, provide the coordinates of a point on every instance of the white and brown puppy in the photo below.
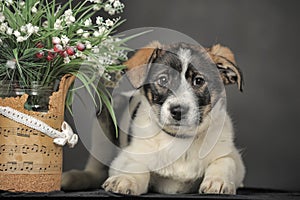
(179, 86)
(175, 113)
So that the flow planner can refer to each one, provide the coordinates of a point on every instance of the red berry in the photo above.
(57, 48)
(40, 54)
(70, 51)
(39, 45)
(80, 47)
(50, 56)
(63, 54)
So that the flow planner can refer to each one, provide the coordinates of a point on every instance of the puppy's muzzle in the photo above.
(179, 112)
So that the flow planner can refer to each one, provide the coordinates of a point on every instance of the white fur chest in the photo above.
(187, 167)
(177, 158)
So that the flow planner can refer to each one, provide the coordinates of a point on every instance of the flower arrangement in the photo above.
(42, 40)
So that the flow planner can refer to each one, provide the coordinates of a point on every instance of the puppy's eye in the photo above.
(163, 80)
(198, 81)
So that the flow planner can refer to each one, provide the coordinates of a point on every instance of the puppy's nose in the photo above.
(178, 111)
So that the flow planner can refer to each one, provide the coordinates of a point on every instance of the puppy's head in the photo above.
(182, 82)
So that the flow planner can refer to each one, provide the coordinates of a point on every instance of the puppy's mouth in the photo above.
(179, 130)
(183, 124)
(177, 133)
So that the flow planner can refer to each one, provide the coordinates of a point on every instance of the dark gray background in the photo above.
(264, 35)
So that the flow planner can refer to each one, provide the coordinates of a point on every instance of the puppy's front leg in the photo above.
(223, 175)
(134, 184)
(133, 179)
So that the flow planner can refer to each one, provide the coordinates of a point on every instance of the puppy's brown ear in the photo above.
(224, 59)
(138, 64)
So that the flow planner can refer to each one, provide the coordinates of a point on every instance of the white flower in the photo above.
(72, 19)
(68, 12)
(112, 11)
(36, 29)
(111, 1)
(45, 24)
(109, 22)
(102, 29)
(96, 34)
(2, 17)
(22, 3)
(72, 57)
(86, 34)
(34, 10)
(88, 45)
(96, 7)
(67, 60)
(80, 55)
(79, 31)
(88, 22)
(113, 7)
(1, 42)
(99, 20)
(107, 76)
(23, 29)
(96, 50)
(64, 40)
(17, 33)
(21, 39)
(69, 20)
(9, 31)
(31, 29)
(117, 4)
(3, 27)
(98, 1)
(11, 64)
(107, 7)
(57, 25)
(9, 2)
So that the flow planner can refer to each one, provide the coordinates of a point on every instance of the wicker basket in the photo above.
(29, 160)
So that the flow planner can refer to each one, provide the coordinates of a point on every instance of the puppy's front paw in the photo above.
(217, 185)
(122, 184)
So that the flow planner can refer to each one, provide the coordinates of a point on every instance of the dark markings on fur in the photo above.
(131, 53)
(202, 92)
(169, 59)
(186, 156)
(166, 63)
(235, 66)
(129, 135)
(176, 135)
(155, 94)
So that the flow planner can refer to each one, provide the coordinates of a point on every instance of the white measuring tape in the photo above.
(60, 138)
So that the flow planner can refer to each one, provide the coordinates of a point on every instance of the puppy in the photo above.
(181, 137)
(178, 136)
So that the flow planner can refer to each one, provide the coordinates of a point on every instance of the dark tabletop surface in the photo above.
(244, 193)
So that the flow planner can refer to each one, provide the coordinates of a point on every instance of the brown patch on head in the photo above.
(142, 56)
(221, 51)
(137, 65)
